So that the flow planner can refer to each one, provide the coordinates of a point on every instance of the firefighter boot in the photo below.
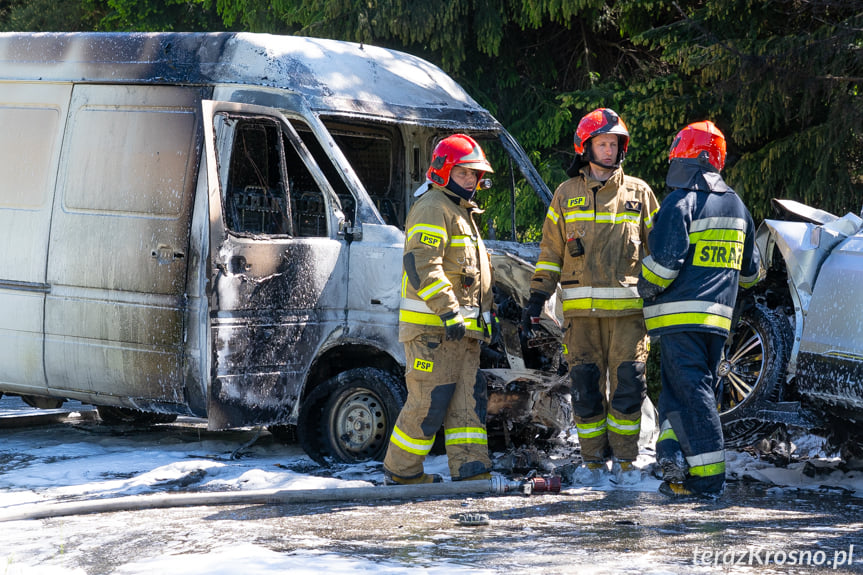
(625, 473)
(588, 473)
(673, 489)
(673, 469)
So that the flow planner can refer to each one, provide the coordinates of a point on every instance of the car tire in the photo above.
(126, 416)
(349, 418)
(752, 370)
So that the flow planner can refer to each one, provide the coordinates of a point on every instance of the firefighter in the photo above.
(446, 311)
(702, 247)
(593, 240)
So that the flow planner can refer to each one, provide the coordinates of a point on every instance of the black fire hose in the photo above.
(495, 486)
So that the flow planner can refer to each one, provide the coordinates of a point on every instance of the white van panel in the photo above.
(119, 238)
(32, 116)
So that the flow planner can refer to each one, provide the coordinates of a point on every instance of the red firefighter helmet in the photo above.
(601, 121)
(456, 150)
(700, 140)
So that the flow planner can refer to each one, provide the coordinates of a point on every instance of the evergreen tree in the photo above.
(781, 78)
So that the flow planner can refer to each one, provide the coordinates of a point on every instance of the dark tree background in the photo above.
(781, 78)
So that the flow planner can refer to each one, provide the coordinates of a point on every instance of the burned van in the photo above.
(212, 225)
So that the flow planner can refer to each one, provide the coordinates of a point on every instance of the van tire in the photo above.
(349, 417)
(126, 416)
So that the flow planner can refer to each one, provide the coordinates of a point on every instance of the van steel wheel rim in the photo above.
(360, 421)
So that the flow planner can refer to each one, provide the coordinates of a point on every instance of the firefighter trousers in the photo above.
(444, 388)
(690, 430)
(607, 358)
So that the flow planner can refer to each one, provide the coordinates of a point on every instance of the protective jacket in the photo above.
(446, 267)
(593, 240)
(701, 248)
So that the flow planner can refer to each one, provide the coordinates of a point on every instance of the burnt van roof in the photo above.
(331, 74)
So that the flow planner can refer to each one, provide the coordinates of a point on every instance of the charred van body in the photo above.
(211, 225)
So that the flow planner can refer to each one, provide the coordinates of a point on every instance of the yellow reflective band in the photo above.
(708, 470)
(604, 304)
(437, 231)
(565, 350)
(749, 281)
(465, 241)
(552, 215)
(548, 266)
(609, 218)
(717, 222)
(454, 320)
(410, 444)
(624, 426)
(594, 429)
(463, 435)
(653, 278)
(434, 288)
(654, 268)
(692, 318)
(666, 432)
(669, 434)
(420, 318)
(648, 221)
(717, 235)
(578, 216)
(404, 285)
(707, 464)
(718, 254)
(423, 365)
(576, 202)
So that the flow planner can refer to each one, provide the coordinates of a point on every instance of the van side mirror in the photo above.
(350, 232)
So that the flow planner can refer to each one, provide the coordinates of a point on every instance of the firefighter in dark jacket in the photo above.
(446, 311)
(702, 248)
(593, 240)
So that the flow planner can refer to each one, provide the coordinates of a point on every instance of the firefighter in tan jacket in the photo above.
(593, 240)
(446, 311)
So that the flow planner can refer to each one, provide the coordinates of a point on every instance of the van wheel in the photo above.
(127, 416)
(350, 417)
(752, 369)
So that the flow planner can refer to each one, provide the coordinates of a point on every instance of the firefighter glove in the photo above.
(454, 324)
(531, 314)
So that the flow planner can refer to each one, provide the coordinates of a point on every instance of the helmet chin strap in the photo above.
(460, 191)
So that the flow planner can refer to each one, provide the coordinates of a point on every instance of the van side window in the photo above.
(270, 189)
(373, 151)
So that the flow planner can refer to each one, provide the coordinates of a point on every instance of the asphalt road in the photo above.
(753, 528)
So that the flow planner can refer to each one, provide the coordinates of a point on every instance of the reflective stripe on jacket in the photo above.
(450, 264)
(702, 247)
(607, 222)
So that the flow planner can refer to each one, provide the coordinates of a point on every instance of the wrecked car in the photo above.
(211, 225)
(796, 354)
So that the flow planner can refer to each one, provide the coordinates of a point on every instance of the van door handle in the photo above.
(166, 254)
